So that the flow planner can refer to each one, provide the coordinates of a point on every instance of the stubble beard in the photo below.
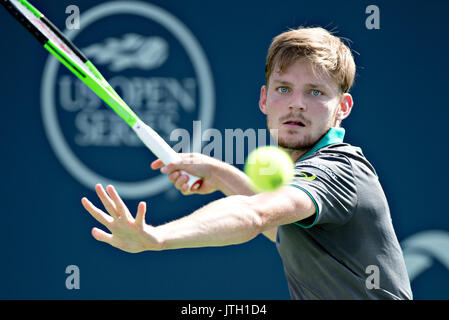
(299, 145)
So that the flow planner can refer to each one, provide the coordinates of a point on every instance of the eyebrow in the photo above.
(310, 85)
(283, 82)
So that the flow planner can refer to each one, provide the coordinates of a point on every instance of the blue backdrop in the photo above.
(207, 63)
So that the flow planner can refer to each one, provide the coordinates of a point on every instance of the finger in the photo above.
(157, 164)
(106, 200)
(140, 216)
(102, 236)
(169, 168)
(185, 189)
(173, 176)
(99, 215)
(119, 204)
(180, 181)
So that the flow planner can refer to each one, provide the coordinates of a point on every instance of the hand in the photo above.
(196, 164)
(128, 234)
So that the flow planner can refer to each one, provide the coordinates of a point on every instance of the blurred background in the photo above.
(176, 62)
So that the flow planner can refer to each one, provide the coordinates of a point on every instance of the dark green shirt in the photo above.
(348, 249)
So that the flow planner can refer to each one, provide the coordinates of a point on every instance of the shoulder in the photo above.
(337, 159)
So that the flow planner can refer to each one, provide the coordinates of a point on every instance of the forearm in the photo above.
(231, 181)
(227, 221)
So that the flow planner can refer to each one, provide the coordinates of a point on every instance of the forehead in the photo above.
(303, 72)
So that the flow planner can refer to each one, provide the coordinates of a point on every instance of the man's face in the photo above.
(302, 105)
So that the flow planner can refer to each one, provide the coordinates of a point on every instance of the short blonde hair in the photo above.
(320, 47)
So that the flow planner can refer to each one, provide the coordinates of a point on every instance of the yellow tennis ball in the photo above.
(268, 167)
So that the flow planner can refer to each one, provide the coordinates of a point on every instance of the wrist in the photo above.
(230, 180)
(156, 240)
(220, 172)
(216, 173)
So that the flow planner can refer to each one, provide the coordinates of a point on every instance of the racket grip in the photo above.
(162, 150)
(194, 182)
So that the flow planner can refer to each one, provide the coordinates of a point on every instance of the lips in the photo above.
(294, 123)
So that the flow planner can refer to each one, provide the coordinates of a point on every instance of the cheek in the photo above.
(274, 102)
(324, 108)
(274, 106)
(320, 115)
(317, 111)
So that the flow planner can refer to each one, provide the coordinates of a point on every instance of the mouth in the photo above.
(294, 123)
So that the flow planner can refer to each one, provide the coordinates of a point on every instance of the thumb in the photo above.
(140, 216)
(173, 166)
(157, 164)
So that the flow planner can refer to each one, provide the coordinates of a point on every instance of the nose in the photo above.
(297, 103)
(301, 107)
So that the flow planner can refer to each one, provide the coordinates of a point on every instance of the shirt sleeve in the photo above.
(329, 181)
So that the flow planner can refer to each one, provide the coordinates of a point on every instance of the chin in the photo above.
(296, 144)
(300, 139)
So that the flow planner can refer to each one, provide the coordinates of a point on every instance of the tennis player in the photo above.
(331, 224)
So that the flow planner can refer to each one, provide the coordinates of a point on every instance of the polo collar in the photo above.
(333, 136)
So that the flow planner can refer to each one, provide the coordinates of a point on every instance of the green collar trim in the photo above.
(333, 136)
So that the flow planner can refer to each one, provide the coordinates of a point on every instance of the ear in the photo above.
(345, 107)
(263, 99)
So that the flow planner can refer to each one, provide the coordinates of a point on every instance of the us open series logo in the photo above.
(158, 67)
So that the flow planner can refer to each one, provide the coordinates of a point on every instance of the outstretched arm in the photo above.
(217, 175)
(231, 220)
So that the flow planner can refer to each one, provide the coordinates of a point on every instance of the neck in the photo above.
(295, 154)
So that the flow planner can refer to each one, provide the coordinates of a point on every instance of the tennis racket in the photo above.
(69, 55)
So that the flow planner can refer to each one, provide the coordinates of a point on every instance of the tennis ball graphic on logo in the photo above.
(269, 168)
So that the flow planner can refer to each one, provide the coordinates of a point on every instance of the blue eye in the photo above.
(282, 89)
(316, 93)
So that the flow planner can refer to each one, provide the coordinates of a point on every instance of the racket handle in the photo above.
(194, 182)
(162, 150)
